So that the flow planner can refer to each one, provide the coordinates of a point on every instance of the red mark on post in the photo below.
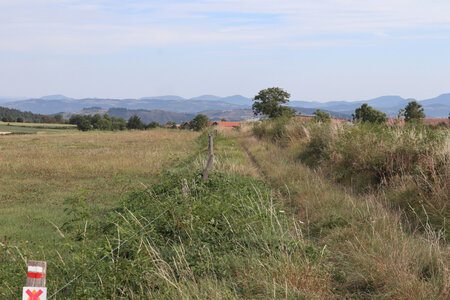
(35, 272)
(34, 295)
(34, 275)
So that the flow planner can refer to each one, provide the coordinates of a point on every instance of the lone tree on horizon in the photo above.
(269, 102)
(413, 112)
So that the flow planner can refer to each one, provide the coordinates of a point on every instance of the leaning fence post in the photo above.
(211, 157)
(36, 277)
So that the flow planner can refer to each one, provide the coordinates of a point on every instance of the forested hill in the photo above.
(147, 116)
(11, 115)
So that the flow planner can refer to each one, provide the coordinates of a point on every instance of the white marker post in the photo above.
(36, 277)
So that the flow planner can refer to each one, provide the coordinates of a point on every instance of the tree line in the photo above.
(14, 115)
(108, 123)
(271, 103)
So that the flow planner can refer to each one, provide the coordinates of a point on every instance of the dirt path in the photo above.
(250, 156)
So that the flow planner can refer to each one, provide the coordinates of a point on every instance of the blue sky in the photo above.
(316, 50)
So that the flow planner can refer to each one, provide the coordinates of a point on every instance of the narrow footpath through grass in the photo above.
(369, 255)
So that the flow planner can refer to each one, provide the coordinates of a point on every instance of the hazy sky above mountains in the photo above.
(316, 50)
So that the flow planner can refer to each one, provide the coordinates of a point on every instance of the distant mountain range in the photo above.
(162, 116)
(11, 99)
(438, 107)
(216, 106)
(51, 106)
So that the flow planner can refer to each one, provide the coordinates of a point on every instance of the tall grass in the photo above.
(370, 254)
(409, 166)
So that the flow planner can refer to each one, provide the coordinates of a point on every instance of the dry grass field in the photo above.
(39, 125)
(38, 173)
(35, 128)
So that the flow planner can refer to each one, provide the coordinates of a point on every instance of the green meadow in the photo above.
(130, 212)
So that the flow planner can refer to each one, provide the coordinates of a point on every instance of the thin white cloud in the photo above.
(95, 26)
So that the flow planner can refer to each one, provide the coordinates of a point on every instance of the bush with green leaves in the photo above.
(413, 112)
(322, 116)
(153, 125)
(135, 122)
(103, 124)
(84, 124)
(199, 122)
(368, 114)
(118, 123)
(317, 149)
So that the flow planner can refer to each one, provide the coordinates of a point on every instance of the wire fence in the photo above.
(185, 190)
(113, 250)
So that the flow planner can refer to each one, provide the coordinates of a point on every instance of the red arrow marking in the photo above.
(34, 296)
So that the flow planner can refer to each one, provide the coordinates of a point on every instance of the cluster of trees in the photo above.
(97, 121)
(269, 102)
(413, 112)
(106, 122)
(198, 123)
(57, 119)
(9, 118)
(15, 115)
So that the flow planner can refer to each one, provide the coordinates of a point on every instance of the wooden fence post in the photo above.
(211, 157)
(36, 278)
(184, 187)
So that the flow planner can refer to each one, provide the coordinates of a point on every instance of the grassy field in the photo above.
(32, 128)
(263, 226)
(39, 125)
(38, 173)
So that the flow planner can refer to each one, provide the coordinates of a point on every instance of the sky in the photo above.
(317, 50)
